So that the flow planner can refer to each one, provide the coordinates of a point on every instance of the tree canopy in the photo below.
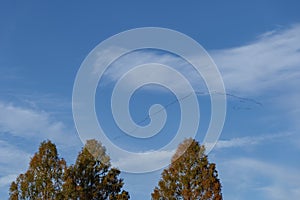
(44, 178)
(48, 177)
(92, 177)
(190, 176)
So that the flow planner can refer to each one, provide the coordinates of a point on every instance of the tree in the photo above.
(92, 177)
(190, 176)
(44, 177)
(48, 177)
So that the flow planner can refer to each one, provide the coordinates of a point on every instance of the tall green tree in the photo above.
(92, 176)
(44, 177)
(190, 176)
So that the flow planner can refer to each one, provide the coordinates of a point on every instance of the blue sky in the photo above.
(255, 46)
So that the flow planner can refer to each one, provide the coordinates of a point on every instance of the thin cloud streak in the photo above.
(249, 141)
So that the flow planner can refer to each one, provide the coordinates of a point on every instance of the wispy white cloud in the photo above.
(144, 161)
(263, 64)
(266, 179)
(263, 68)
(122, 65)
(10, 155)
(26, 122)
(32, 124)
(270, 61)
(6, 180)
(249, 141)
(12, 161)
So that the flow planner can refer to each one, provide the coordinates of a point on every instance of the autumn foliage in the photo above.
(48, 177)
(190, 176)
